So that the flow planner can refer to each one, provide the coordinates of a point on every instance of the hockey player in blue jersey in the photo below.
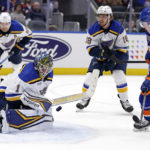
(145, 87)
(107, 43)
(22, 100)
(13, 38)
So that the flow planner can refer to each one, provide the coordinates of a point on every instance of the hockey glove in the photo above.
(15, 56)
(147, 56)
(15, 51)
(108, 65)
(110, 54)
(145, 86)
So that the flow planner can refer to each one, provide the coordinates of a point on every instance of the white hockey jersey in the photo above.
(97, 36)
(13, 36)
(27, 80)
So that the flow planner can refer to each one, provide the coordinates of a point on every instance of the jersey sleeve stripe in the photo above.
(99, 32)
(122, 50)
(19, 47)
(34, 81)
(16, 32)
(113, 32)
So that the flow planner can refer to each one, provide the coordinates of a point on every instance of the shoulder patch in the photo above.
(88, 40)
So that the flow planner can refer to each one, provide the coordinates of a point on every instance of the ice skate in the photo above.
(84, 103)
(126, 106)
(142, 124)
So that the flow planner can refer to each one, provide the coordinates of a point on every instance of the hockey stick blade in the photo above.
(68, 99)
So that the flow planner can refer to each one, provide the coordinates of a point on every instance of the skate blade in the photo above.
(141, 130)
(79, 110)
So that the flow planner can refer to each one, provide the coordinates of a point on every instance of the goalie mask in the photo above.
(43, 64)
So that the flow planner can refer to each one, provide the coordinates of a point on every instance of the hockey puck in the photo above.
(58, 108)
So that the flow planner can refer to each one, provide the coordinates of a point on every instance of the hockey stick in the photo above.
(136, 118)
(6, 58)
(112, 56)
(144, 101)
(68, 99)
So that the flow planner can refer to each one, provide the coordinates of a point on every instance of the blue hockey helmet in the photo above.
(43, 63)
(145, 15)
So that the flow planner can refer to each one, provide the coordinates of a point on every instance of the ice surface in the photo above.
(103, 125)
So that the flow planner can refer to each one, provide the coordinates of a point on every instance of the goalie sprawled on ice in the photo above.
(22, 102)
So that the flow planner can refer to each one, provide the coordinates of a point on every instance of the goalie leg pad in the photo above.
(25, 120)
(37, 103)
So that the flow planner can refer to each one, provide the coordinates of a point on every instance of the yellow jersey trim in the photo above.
(32, 81)
(111, 31)
(122, 50)
(19, 47)
(99, 32)
(33, 119)
(16, 32)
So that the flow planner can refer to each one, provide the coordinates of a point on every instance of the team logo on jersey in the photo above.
(57, 48)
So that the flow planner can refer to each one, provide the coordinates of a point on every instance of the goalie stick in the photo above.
(68, 99)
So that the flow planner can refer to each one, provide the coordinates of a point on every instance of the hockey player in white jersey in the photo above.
(13, 38)
(107, 43)
(22, 100)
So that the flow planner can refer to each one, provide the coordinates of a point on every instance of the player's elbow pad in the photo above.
(95, 51)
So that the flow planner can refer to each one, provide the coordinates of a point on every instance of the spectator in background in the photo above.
(55, 6)
(18, 14)
(133, 27)
(99, 2)
(11, 5)
(125, 2)
(138, 3)
(147, 3)
(35, 13)
(53, 28)
(112, 3)
(27, 5)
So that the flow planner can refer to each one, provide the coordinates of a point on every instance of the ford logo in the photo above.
(57, 48)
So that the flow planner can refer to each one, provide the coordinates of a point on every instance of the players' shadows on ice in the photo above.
(60, 133)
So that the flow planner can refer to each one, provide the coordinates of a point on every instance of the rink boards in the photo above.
(70, 55)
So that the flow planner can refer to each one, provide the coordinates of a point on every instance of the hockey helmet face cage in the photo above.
(145, 16)
(43, 63)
